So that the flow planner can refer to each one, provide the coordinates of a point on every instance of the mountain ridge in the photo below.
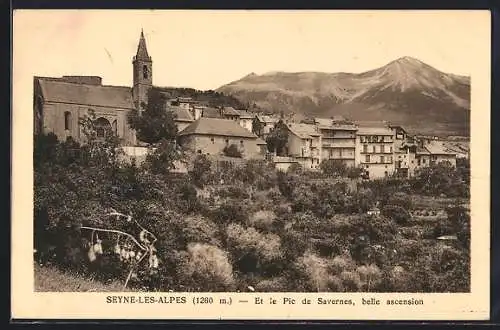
(405, 91)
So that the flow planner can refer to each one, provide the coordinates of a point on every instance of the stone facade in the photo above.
(60, 103)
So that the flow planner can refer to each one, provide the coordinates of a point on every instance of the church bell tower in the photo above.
(143, 74)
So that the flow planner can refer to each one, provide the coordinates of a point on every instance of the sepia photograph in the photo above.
(251, 152)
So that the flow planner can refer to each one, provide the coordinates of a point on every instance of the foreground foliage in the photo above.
(228, 227)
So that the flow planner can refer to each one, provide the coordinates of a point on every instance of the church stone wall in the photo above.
(54, 115)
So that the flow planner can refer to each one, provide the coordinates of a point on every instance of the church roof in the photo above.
(216, 126)
(118, 97)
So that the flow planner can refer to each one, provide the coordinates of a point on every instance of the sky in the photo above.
(207, 49)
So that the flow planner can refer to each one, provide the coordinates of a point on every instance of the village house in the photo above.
(405, 154)
(267, 123)
(246, 119)
(230, 113)
(211, 135)
(188, 104)
(439, 153)
(304, 144)
(375, 149)
(338, 139)
(182, 117)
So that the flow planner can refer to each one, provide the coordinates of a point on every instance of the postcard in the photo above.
(261, 165)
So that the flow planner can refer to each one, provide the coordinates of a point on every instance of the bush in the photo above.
(276, 284)
(350, 281)
(333, 167)
(263, 220)
(201, 174)
(370, 277)
(401, 199)
(232, 151)
(315, 270)
(230, 211)
(197, 229)
(247, 244)
(207, 268)
(397, 213)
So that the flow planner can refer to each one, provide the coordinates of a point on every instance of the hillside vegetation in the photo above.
(224, 227)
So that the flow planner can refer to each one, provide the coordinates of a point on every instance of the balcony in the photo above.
(339, 144)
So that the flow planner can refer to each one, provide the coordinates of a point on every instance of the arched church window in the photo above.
(102, 127)
(145, 71)
(115, 128)
(67, 120)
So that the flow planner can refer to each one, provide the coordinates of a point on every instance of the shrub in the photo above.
(370, 277)
(207, 268)
(354, 172)
(161, 160)
(340, 264)
(276, 284)
(295, 168)
(201, 174)
(262, 219)
(232, 151)
(315, 270)
(230, 211)
(333, 167)
(249, 243)
(401, 199)
(197, 229)
(350, 281)
(397, 213)
(189, 198)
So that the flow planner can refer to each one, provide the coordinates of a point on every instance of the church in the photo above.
(59, 103)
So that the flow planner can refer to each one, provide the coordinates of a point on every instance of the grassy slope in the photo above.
(51, 279)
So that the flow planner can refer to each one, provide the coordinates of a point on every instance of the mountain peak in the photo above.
(407, 61)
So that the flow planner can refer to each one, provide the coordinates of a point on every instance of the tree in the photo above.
(257, 126)
(333, 167)
(354, 172)
(441, 178)
(161, 159)
(155, 123)
(278, 138)
(201, 173)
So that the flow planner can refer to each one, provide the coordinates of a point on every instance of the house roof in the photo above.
(438, 148)
(267, 119)
(216, 126)
(182, 114)
(245, 114)
(211, 113)
(59, 91)
(336, 122)
(374, 131)
(304, 131)
(460, 147)
(230, 111)
(422, 151)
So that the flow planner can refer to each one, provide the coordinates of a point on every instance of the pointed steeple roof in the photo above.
(142, 51)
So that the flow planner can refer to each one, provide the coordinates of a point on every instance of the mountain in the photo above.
(406, 91)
